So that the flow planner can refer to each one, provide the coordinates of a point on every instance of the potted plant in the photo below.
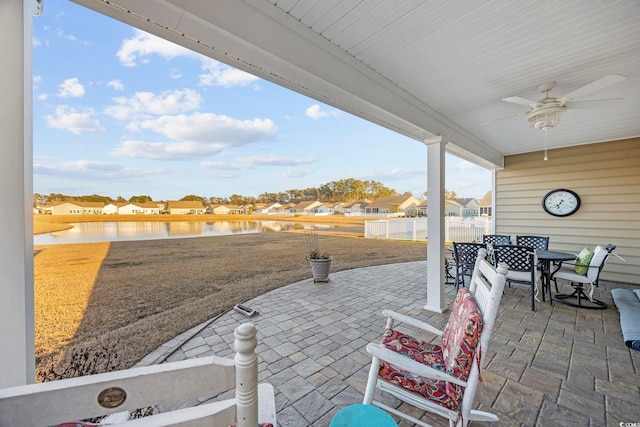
(320, 261)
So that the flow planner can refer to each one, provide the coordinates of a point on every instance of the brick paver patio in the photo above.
(557, 366)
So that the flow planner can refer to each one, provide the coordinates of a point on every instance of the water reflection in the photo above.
(112, 231)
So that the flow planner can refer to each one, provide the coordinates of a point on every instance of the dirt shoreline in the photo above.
(134, 296)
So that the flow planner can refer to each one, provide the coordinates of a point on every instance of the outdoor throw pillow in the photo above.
(583, 260)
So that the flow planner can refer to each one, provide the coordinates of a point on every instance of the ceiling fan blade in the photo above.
(590, 103)
(521, 101)
(595, 86)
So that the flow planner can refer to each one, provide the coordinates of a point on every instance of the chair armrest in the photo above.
(570, 265)
(413, 322)
(266, 404)
(406, 364)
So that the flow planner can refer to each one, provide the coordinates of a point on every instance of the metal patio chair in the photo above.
(535, 242)
(496, 239)
(465, 254)
(523, 267)
(567, 271)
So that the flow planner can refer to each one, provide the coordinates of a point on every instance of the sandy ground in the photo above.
(134, 296)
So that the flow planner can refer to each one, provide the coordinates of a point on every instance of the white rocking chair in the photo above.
(67, 400)
(440, 379)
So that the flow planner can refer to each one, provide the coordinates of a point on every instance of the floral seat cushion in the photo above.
(455, 357)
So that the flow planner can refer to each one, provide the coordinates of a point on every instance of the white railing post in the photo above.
(246, 361)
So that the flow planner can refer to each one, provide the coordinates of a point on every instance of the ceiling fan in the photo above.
(545, 113)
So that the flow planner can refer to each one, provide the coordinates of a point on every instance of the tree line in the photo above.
(343, 190)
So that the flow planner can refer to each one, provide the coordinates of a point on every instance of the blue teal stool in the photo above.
(362, 416)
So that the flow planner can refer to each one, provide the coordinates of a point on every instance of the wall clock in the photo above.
(561, 202)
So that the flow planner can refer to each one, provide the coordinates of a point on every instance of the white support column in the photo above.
(435, 224)
(17, 354)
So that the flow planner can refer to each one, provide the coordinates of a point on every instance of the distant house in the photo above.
(110, 209)
(485, 204)
(356, 208)
(178, 207)
(226, 209)
(308, 207)
(130, 209)
(146, 208)
(77, 208)
(422, 208)
(452, 208)
(393, 206)
(335, 207)
(469, 206)
(272, 208)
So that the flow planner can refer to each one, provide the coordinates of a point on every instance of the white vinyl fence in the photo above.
(456, 229)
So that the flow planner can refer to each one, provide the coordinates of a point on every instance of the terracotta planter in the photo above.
(320, 269)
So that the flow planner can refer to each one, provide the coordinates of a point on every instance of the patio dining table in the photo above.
(547, 258)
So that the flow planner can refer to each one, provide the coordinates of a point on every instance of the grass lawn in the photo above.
(133, 296)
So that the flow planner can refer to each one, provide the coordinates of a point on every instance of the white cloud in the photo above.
(88, 169)
(67, 118)
(60, 33)
(36, 42)
(253, 161)
(272, 160)
(314, 112)
(143, 44)
(42, 97)
(209, 128)
(36, 82)
(145, 104)
(116, 85)
(185, 150)
(78, 167)
(223, 165)
(198, 135)
(71, 88)
(218, 74)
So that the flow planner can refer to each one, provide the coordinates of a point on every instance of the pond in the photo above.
(112, 231)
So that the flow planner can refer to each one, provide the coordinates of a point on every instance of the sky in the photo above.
(120, 112)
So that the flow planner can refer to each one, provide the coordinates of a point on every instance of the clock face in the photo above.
(561, 202)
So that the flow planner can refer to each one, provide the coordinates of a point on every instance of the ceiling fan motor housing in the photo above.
(547, 114)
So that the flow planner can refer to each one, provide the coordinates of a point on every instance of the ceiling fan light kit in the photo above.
(545, 113)
(545, 117)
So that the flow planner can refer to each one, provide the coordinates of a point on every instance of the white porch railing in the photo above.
(456, 229)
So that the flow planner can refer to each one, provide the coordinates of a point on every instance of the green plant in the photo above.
(313, 250)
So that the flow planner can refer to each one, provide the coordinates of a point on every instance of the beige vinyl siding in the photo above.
(605, 175)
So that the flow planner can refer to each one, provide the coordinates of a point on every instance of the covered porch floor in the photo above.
(559, 365)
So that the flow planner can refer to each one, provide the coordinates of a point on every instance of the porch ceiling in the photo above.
(425, 68)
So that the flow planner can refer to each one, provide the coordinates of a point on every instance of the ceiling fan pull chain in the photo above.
(545, 145)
